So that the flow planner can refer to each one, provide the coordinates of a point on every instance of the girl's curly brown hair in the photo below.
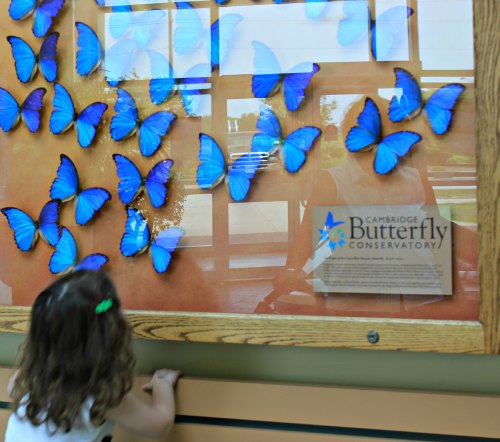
(73, 353)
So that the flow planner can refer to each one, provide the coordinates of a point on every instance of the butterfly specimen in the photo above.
(126, 122)
(44, 11)
(136, 240)
(63, 116)
(65, 257)
(293, 148)
(29, 111)
(66, 186)
(368, 133)
(268, 76)
(132, 183)
(212, 169)
(26, 229)
(90, 55)
(438, 108)
(164, 84)
(386, 30)
(27, 63)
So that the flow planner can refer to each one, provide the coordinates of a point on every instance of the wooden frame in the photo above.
(481, 336)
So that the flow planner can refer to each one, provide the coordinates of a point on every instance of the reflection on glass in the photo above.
(197, 220)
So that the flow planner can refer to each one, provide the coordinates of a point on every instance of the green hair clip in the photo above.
(104, 306)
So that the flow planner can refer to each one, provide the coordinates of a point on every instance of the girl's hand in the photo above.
(162, 376)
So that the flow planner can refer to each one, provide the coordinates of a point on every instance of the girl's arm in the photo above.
(149, 420)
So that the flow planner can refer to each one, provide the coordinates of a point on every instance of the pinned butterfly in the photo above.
(368, 133)
(29, 111)
(137, 240)
(43, 11)
(66, 187)
(27, 230)
(292, 149)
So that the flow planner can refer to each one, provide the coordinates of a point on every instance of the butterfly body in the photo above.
(137, 240)
(26, 230)
(438, 107)
(29, 111)
(368, 133)
(44, 11)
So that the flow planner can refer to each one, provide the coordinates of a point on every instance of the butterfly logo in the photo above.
(126, 122)
(438, 108)
(65, 257)
(66, 187)
(64, 116)
(43, 10)
(212, 169)
(268, 76)
(334, 236)
(164, 84)
(26, 229)
(29, 111)
(293, 148)
(137, 240)
(131, 182)
(27, 64)
(368, 133)
(386, 30)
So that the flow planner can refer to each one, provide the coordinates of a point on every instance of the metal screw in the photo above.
(372, 337)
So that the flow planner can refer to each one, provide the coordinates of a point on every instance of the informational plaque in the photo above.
(382, 249)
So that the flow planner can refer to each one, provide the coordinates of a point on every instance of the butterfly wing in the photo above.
(23, 226)
(439, 107)
(47, 57)
(162, 247)
(130, 179)
(63, 114)
(269, 139)
(354, 26)
(44, 13)
(156, 182)
(267, 74)
(31, 107)
(191, 94)
(9, 110)
(87, 122)
(89, 54)
(391, 148)
(92, 262)
(296, 145)
(387, 31)
(146, 26)
(120, 20)
(315, 8)
(368, 130)
(20, 9)
(410, 102)
(161, 85)
(222, 34)
(211, 169)
(125, 122)
(118, 59)
(151, 131)
(24, 59)
(66, 184)
(48, 222)
(295, 83)
(239, 175)
(89, 202)
(136, 237)
(189, 29)
(64, 257)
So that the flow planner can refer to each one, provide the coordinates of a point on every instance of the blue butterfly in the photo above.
(66, 186)
(132, 183)
(126, 122)
(27, 63)
(63, 116)
(164, 84)
(438, 108)
(368, 133)
(65, 257)
(26, 230)
(386, 30)
(334, 239)
(222, 34)
(136, 240)
(293, 148)
(29, 111)
(44, 10)
(268, 75)
(212, 169)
